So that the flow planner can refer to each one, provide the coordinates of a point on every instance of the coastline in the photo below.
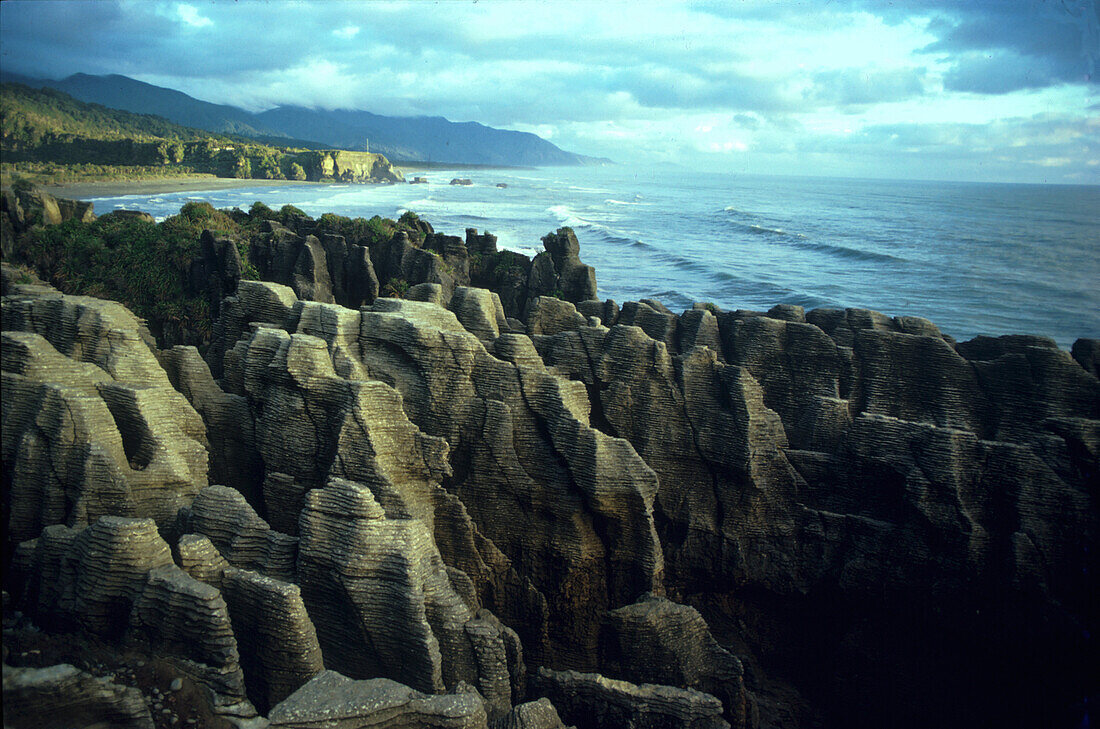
(154, 186)
(201, 182)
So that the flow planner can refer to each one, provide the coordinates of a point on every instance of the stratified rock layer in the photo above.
(591, 701)
(332, 701)
(91, 424)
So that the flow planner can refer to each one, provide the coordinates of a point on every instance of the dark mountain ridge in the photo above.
(405, 139)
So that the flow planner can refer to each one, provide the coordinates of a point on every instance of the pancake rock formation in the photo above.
(500, 502)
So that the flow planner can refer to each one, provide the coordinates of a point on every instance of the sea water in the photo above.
(974, 258)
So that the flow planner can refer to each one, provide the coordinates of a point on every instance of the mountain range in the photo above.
(402, 139)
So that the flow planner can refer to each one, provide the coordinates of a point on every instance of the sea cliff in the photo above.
(489, 499)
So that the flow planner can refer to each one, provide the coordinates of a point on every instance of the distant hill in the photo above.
(42, 129)
(405, 139)
(420, 138)
(30, 115)
(122, 92)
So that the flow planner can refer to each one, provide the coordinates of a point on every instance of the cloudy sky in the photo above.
(1001, 90)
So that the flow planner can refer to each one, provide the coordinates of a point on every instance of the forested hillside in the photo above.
(49, 136)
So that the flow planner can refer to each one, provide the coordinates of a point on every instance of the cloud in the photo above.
(784, 79)
(189, 14)
(1000, 47)
(347, 32)
(850, 87)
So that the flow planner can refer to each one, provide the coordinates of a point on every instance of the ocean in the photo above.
(974, 258)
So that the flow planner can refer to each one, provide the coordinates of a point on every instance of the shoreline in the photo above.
(199, 183)
(158, 185)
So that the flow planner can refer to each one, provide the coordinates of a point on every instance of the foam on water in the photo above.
(975, 259)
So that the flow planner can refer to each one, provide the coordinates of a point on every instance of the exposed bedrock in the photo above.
(591, 701)
(334, 701)
(414, 491)
(115, 580)
(545, 518)
(657, 641)
(901, 470)
(91, 424)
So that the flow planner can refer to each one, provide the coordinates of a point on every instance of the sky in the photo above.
(986, 90)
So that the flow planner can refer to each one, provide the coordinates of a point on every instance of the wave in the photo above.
(611, 201)
(765, 230)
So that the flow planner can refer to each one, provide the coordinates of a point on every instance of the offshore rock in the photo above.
(334, 701)
(591, 701)
(64, 697)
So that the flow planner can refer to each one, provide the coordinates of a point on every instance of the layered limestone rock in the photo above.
(63, 696)
(569, 506)
(277, 640)
(718, 451)
(660, 642)
(178, 616)
(315, 424)
(591, 701)
(539, 714)
(334, 701)
(92, 577)
(857, 455)
(384, 603)
(239, 534)
(234, 460)
(91, 423)
(115, 580)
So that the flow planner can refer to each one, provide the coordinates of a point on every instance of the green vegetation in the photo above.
(396, 288)
(143, 265)
(52, 138)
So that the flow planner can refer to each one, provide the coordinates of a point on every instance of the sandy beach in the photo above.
(153, 186)
(186, 183)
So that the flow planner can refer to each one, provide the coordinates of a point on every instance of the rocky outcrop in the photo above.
(277, 640)
(318, 425)
(115, 580)
(855, 454)
(539, 714)
(73, 698)
(576, 281)
(345, 166)
(413, 490)
(591, 701)
(523, 453)
(657, 641)
(21, 209)
(334, 701)
(91, 424)
(234, 460)
(181, 617)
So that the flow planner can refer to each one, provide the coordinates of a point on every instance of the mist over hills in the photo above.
(402, 139)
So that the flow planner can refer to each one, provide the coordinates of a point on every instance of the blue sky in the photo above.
(1001, 90)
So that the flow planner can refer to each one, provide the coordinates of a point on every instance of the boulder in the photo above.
(591, 701)
(337, 702)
